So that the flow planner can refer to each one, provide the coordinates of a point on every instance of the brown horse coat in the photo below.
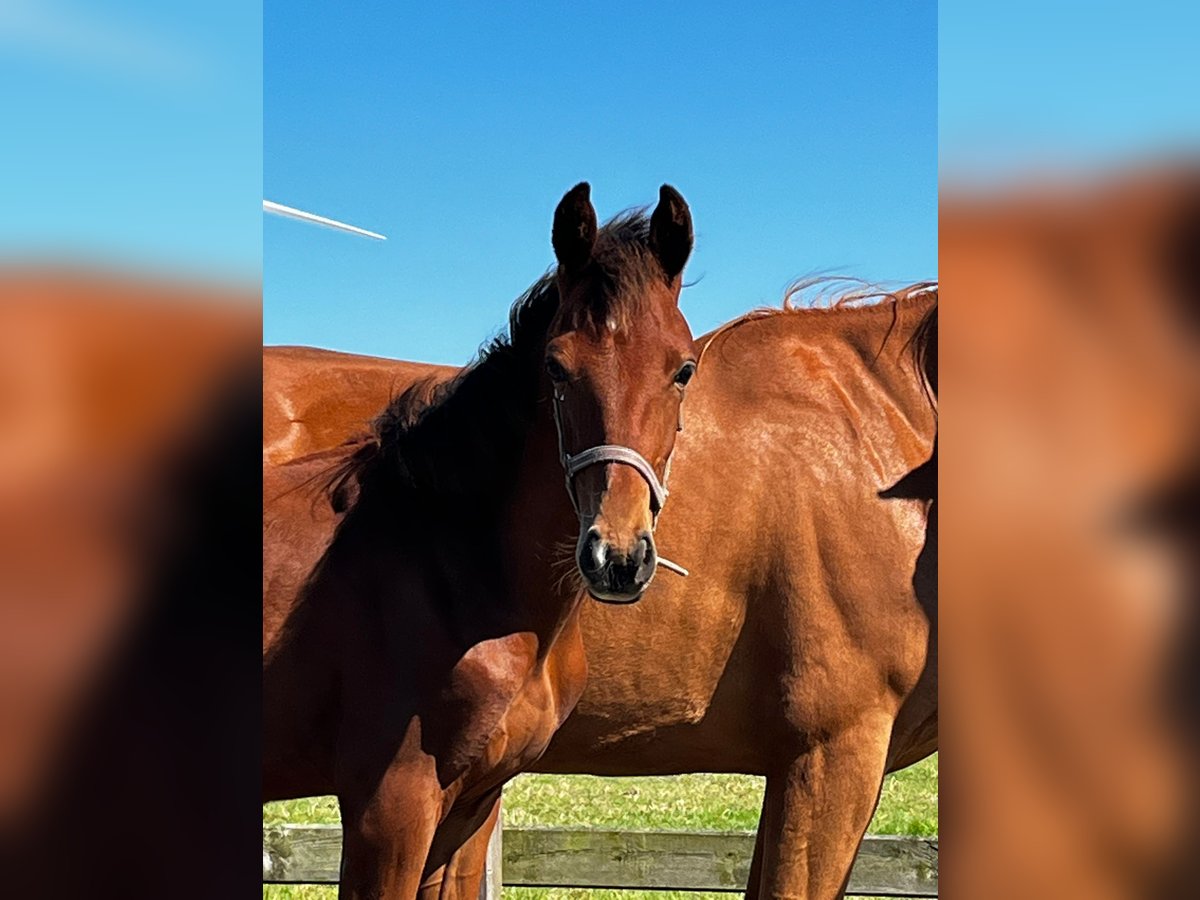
(418, 647)
(797, 637)
(309, 405)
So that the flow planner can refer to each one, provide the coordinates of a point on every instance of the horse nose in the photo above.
(617, 576)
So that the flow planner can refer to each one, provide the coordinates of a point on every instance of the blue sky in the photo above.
(132, 135)
(1065, 84)
(804, 138)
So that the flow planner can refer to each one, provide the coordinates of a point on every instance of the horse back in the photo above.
(314, 399)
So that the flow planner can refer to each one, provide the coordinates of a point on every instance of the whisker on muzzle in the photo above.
(564, 561)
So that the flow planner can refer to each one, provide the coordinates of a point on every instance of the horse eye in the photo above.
(684, 375)
(555, 370)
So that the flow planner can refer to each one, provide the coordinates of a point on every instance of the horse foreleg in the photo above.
(815, 812)
(386, 840)
(461, 877)
(756, 862)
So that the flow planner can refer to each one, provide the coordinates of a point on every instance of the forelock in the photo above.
(619, 277)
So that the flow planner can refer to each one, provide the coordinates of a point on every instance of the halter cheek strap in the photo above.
(573, 464)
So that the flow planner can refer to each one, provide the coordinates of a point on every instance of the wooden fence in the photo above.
(601, 858)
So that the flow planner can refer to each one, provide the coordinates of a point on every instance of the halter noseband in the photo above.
(573, 464)
(605, 453)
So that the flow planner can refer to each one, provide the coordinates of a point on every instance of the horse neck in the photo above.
(899, 370)
(485, 564)
(538, 532)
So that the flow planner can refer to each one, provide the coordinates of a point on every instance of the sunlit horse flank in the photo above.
(420, 645)
(800, 502)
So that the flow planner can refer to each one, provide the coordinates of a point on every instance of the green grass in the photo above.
(908, 805)
(308, 811)
(708, 802)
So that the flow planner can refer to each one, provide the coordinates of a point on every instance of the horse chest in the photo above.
(519, 738)
(535, 708)
(489, 712)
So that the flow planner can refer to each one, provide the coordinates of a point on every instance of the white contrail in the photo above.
(280, 210)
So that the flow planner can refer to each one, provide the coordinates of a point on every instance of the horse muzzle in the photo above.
(613, 574)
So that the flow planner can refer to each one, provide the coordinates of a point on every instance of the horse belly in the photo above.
(671, 684)
(297, 750)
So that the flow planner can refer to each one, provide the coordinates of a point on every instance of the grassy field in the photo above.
(909, 805)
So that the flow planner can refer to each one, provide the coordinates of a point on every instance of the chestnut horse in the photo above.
(799, 504)
(419, 647)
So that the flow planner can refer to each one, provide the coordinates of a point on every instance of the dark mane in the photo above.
(462, 439)
(921, 483)
(924, 344)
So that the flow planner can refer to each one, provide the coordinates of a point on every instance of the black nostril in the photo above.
(593, 554)
(640, 550)
(645, 558)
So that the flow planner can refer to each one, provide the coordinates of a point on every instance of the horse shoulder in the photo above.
(474, 707)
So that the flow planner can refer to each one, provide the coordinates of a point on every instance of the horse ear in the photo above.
(671, 231)
(574, 228)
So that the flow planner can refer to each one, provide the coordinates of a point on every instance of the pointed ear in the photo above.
(671, 231)
(574, 228)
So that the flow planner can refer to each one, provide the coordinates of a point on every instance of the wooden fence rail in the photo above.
(601, 858)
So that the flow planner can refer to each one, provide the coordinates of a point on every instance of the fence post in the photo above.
(489, 888)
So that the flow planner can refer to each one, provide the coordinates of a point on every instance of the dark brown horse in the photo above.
(420, 648)
(799, 504)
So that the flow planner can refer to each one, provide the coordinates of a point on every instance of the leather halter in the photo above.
(575, 463)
